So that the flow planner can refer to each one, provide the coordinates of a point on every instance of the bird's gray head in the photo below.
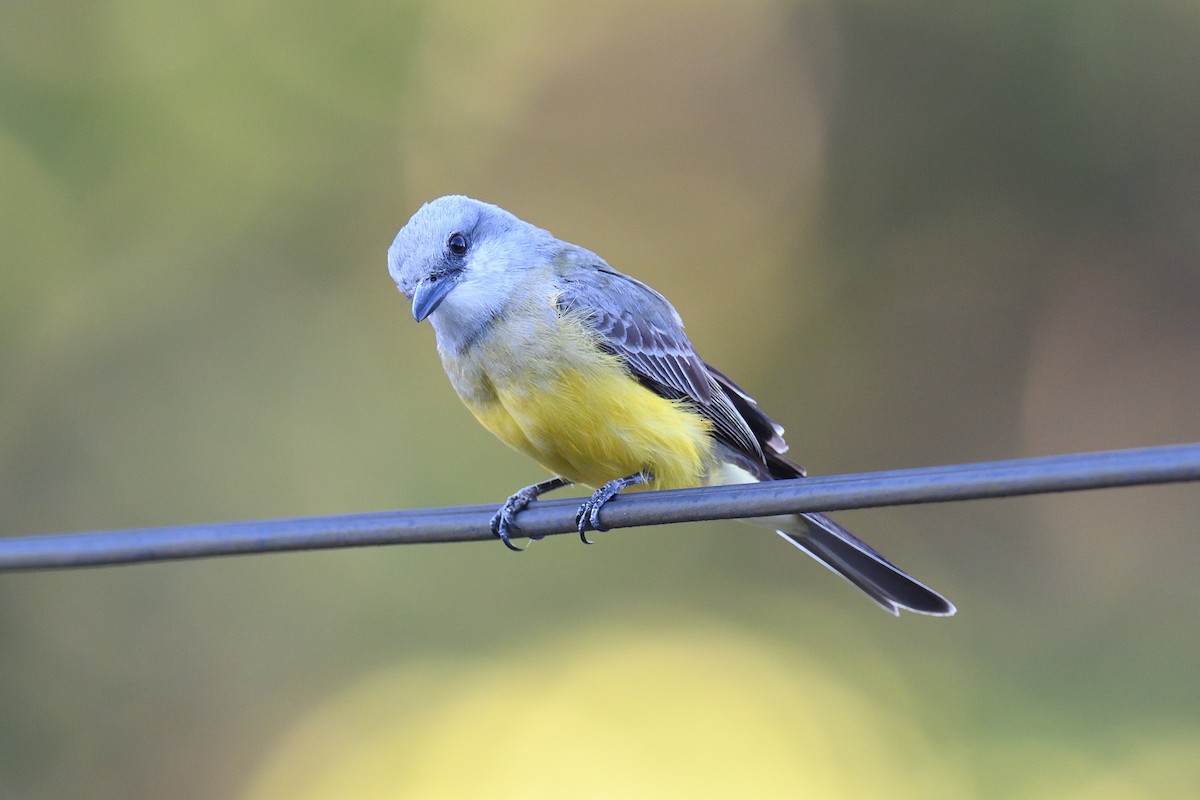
(459, 260)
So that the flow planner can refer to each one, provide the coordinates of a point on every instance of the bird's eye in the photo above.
(458, 243)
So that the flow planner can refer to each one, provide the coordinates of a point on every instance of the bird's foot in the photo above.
(504, 522)
(588, 516)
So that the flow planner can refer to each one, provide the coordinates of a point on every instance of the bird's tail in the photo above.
(856, 561)
(835, 547)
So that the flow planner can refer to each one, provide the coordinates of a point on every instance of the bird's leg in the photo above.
(503, 524)
(589, 512)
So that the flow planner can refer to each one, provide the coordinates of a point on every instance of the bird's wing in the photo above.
(637, 324)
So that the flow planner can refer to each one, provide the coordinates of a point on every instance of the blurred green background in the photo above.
(919, 235)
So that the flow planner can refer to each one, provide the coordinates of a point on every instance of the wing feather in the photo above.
(640, 326)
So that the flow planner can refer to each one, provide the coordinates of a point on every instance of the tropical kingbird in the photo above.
(590, 373)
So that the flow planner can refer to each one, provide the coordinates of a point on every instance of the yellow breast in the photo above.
(577, 411)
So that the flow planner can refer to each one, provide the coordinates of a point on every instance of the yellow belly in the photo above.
(591, 423)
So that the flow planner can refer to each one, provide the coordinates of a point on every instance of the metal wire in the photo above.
(1154, 465)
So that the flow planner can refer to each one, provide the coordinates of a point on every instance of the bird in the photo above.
(589, 372)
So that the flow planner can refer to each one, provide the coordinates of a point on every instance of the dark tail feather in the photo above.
(831, 544)
(855, 560)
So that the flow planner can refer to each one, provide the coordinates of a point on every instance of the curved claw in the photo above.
(589, 513)
(504, 525)
(582, 518)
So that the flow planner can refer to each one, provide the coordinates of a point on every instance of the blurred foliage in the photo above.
(960, 232)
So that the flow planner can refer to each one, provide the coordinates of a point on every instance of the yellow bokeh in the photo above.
(696, 710)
